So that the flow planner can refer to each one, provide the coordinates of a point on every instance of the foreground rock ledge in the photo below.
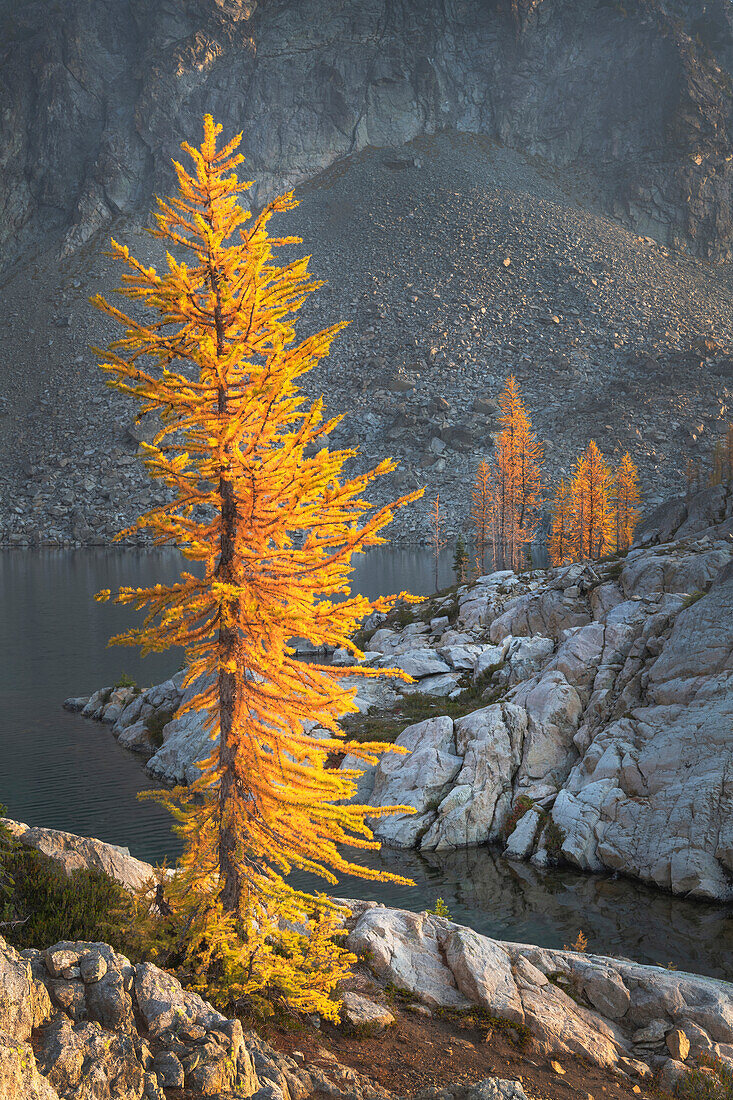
(613, 1012)
(85, 1005)
(79, 1021)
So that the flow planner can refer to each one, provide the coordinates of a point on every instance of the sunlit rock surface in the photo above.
(75, 853)
(592, 1006)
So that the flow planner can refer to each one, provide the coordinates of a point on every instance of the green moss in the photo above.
(397, 994)
(552, 835)
(480, 1019)
(387, 725)
(568, 985)
(362, 638)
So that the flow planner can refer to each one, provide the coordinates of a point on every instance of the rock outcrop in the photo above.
(79, 852)
(611, 1012)
(79, 1020)
(613, 726)
(603, 733)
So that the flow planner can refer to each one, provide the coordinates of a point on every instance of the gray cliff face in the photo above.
(95, 97)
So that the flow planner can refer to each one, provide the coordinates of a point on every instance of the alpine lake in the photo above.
(65, 772)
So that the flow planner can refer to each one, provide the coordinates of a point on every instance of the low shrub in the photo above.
(521, 806)
(554, 838)
(440, 909)
(712, 1080)
(397, 994)
(125, 681)
(579, 944)
(41, 904)
(692, 598)
(155, 724)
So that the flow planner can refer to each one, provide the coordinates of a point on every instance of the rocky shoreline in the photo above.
(75, 1013)
(579, 714)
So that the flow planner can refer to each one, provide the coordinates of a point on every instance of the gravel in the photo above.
(458, 261)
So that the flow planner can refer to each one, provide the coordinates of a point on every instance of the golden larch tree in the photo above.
(516, 480)
(591, 508)
(560, 542)
(627, 500)
(481, 512)
(267, 513)
(436, 535)
(722, 473)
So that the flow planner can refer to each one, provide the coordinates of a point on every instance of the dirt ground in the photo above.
(419, 1052)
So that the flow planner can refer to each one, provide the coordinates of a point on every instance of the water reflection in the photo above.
(515, 901)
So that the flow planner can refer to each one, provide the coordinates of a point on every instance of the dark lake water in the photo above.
(60, 770)
(63, 771)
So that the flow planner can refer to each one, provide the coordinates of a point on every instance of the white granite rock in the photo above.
(163, 1001)
(419, 780)
(489, 744)
(522, 839)
(615, 1003)
(79, 852)
(418, 663)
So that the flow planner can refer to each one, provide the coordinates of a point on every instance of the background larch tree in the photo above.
(627, 500)
(722, 473)
(560, 543)
(436, 536)
(263, 507)
(481, 517)
(516, 481)
(592, 516)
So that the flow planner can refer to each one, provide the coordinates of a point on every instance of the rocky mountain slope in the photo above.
(79, 1018)
(608, 334)
(601, 723)
(529, 186)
